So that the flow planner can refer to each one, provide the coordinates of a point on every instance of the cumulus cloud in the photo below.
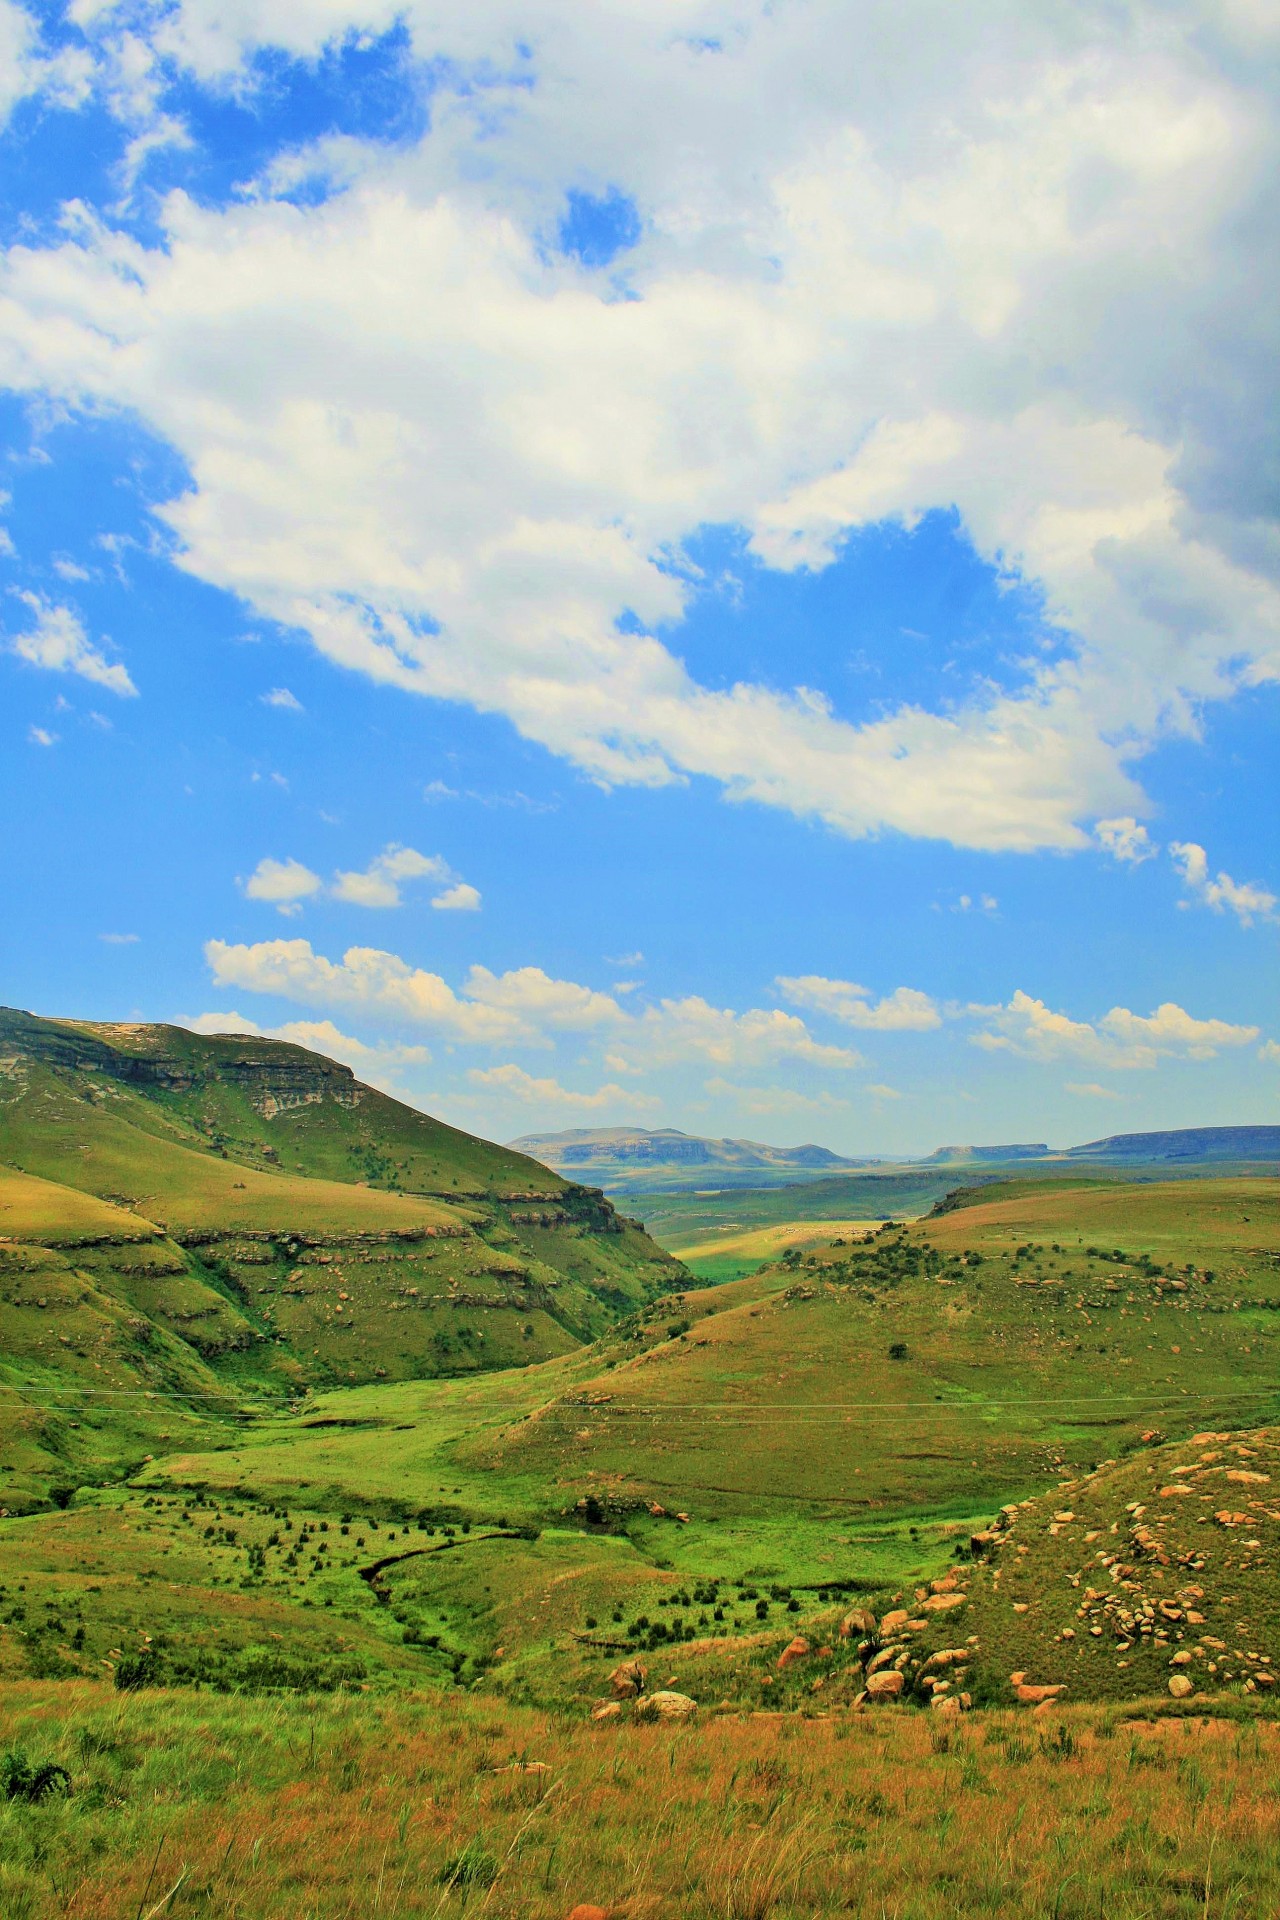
(777, 1100)
(1125, 840)
(380, 883)
(542, 1091)
(283, 884)
(59, 643)
(1119, 1040)
(1091, 1090)
(41, 737)
(965, 268)
(1221, 893)
(459, 898)
(281, 697)
(906, 1009)
(286, 883)
(493, 1008)
(679, 1030)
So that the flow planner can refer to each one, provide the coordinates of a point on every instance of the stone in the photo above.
(944, 1704)
(943, 1602)
(895, 1618)
(1030, 1696)
(665, 1706)
(627, 1680)
(857, 1624)
(1182, 1659)
(885, 1658)
(586, 1911)
(947, 1584)
(791, 1655)
(1180, 1685)
(607, 1710)
(884, 1686)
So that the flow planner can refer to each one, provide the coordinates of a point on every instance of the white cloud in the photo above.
(286, 883)
(281, 697)
(59, 643)
(776, 1100)
(380, 883)
(459, 898)
(1222, 894)
(881, 1092)
(1270, 1051)
(516, 1084)
(680, 1030)
(41, 737)
(26, 69)
(1119, 1040)
(906, 1009)
(1125, 840)
(534, 998)
(283, 884)
(493, 1009)
(965, 267)
(119, 939)
(1091, 1090)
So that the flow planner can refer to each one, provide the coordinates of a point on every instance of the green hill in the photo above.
(250, 1208)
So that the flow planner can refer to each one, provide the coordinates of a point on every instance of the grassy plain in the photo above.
(274, 1809)
(731, 1255)
(373, 1624)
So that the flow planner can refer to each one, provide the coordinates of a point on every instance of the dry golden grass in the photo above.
(200, 1805)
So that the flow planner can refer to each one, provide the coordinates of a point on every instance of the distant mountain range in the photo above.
(636, 1148)
(626, 1158)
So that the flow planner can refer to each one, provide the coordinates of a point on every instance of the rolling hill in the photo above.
(628, 1157)
(177, 1207)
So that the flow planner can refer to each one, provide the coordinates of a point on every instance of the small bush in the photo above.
(23, 1779)
(475, 1866)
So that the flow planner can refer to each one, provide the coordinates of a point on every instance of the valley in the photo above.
(310, 1408)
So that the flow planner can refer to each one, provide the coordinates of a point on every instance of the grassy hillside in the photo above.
(725, 1470)
(223, 1218)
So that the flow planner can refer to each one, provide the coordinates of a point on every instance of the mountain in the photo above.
(1185, 1143)
(968, 1156)
(613, 1151)
(204, 1217)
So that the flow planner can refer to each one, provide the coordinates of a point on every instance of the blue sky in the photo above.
(699, 566)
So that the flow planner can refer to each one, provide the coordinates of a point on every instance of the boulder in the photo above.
(947, 1584)
(885, 1658)
(666, 1706)
(944, 1703)
(1180, 1685)
(607, 1710)
(893, 1620)
(627, 1680)
(1030, 1696)
(1182, 1659)
(943, 1602)
(885, 1686)
(857, 1624)
(798, 1650)
(586, 1911)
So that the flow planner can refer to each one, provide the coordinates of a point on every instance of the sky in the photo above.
(682, 562)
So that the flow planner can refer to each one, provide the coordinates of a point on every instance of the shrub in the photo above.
(22, 1779)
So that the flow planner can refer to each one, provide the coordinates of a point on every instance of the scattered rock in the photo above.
(892, 1621)
(607, 1710)
(1030, 1696)
(1180, 1685)
(857, 1624)
(585, 1911)
(943, 1602)
(1181, 1659)
(798, 1650)
(627, 1680)
(885, 1686)
(666, 1706)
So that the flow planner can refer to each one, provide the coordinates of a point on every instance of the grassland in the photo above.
(416, 1806)
(732, 1255)
(357, 1630)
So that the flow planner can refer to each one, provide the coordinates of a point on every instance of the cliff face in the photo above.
(272, 1075)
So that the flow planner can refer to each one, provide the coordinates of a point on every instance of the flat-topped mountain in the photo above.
(635, 1149)
(1185, 1143)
